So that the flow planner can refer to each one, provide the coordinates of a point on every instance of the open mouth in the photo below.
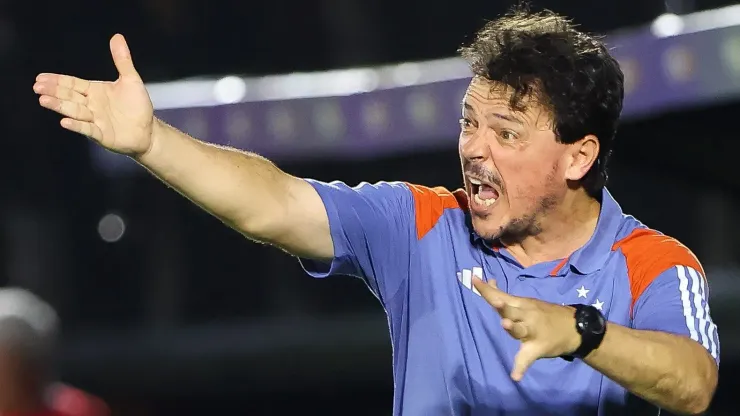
(483, 194)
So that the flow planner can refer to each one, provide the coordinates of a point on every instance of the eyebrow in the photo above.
(505, 117)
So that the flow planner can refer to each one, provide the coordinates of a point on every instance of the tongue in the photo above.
(487, 192)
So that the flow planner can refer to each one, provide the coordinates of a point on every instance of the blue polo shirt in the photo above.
(416, 251)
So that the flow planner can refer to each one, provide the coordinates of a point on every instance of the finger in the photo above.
(516, 329)
(78, 85)
(490, 287)
(510, 312)
(66, 108)
(486, 290)
(495, 296)
(528, 354)
(82, 127)
(490, 294)
(58, 91)
(122, 57)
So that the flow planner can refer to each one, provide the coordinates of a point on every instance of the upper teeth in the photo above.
(475, 181)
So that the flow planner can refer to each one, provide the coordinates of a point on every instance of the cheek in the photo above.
(518, 170)
(526, 180)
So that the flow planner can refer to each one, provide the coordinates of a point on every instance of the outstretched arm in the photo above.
(244, 190)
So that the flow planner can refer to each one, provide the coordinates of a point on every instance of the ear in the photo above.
(583, 155)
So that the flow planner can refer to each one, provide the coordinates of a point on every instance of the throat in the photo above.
(558, 237)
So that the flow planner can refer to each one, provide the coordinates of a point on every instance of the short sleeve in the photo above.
(677, 302)
(372, 229)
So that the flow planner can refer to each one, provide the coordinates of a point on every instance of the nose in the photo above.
(474, 148)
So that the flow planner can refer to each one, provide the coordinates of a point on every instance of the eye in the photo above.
(465, 123)
(508, 135)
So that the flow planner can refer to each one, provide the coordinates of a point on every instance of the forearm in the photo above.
(241, 189)
(672, 372)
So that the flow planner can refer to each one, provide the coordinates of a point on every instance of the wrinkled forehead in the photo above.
(483, 96)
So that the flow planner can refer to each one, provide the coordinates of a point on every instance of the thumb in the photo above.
(122, 58)
(526, 356)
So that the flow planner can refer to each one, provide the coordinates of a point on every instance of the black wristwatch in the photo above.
(591, 326)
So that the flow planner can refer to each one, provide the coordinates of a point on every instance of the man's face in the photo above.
(515, 171)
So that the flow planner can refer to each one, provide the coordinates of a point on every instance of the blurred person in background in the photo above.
(28, 334)
(621, 308)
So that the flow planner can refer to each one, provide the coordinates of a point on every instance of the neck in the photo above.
(563, 230)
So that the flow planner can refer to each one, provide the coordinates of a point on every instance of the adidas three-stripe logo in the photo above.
(466, 278)
(694, 295)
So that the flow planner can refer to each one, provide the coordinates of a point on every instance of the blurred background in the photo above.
(168, 312)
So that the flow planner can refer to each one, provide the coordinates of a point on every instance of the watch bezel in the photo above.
(591, 326)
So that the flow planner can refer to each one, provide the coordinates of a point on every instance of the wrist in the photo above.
(590, 327)
(158, 131)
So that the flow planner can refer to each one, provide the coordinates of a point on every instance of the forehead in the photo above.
(484, 92)
(484, 96)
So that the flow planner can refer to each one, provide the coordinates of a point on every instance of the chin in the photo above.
(489, 228)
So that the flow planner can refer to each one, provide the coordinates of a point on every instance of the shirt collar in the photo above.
(594, 254)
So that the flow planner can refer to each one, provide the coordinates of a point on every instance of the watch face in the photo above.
(590, 320)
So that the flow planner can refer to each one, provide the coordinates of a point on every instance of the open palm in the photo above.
(118, 115)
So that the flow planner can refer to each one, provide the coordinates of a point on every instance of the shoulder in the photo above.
(649, 254)
(430, 205)
(426, 205)
(438, 197)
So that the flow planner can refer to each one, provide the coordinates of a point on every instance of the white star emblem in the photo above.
(598, 305)
(582, 292)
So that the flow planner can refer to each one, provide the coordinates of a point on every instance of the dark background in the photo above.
(182, 315)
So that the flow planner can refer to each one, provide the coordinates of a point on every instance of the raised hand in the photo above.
(118, 115)
(546, 330)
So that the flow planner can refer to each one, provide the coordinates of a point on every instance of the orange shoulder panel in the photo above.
(430, 204)
(648, 254)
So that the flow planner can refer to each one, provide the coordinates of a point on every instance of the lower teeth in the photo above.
(486, 202)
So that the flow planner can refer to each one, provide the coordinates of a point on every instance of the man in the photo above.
(534, 221)
(28, 328)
